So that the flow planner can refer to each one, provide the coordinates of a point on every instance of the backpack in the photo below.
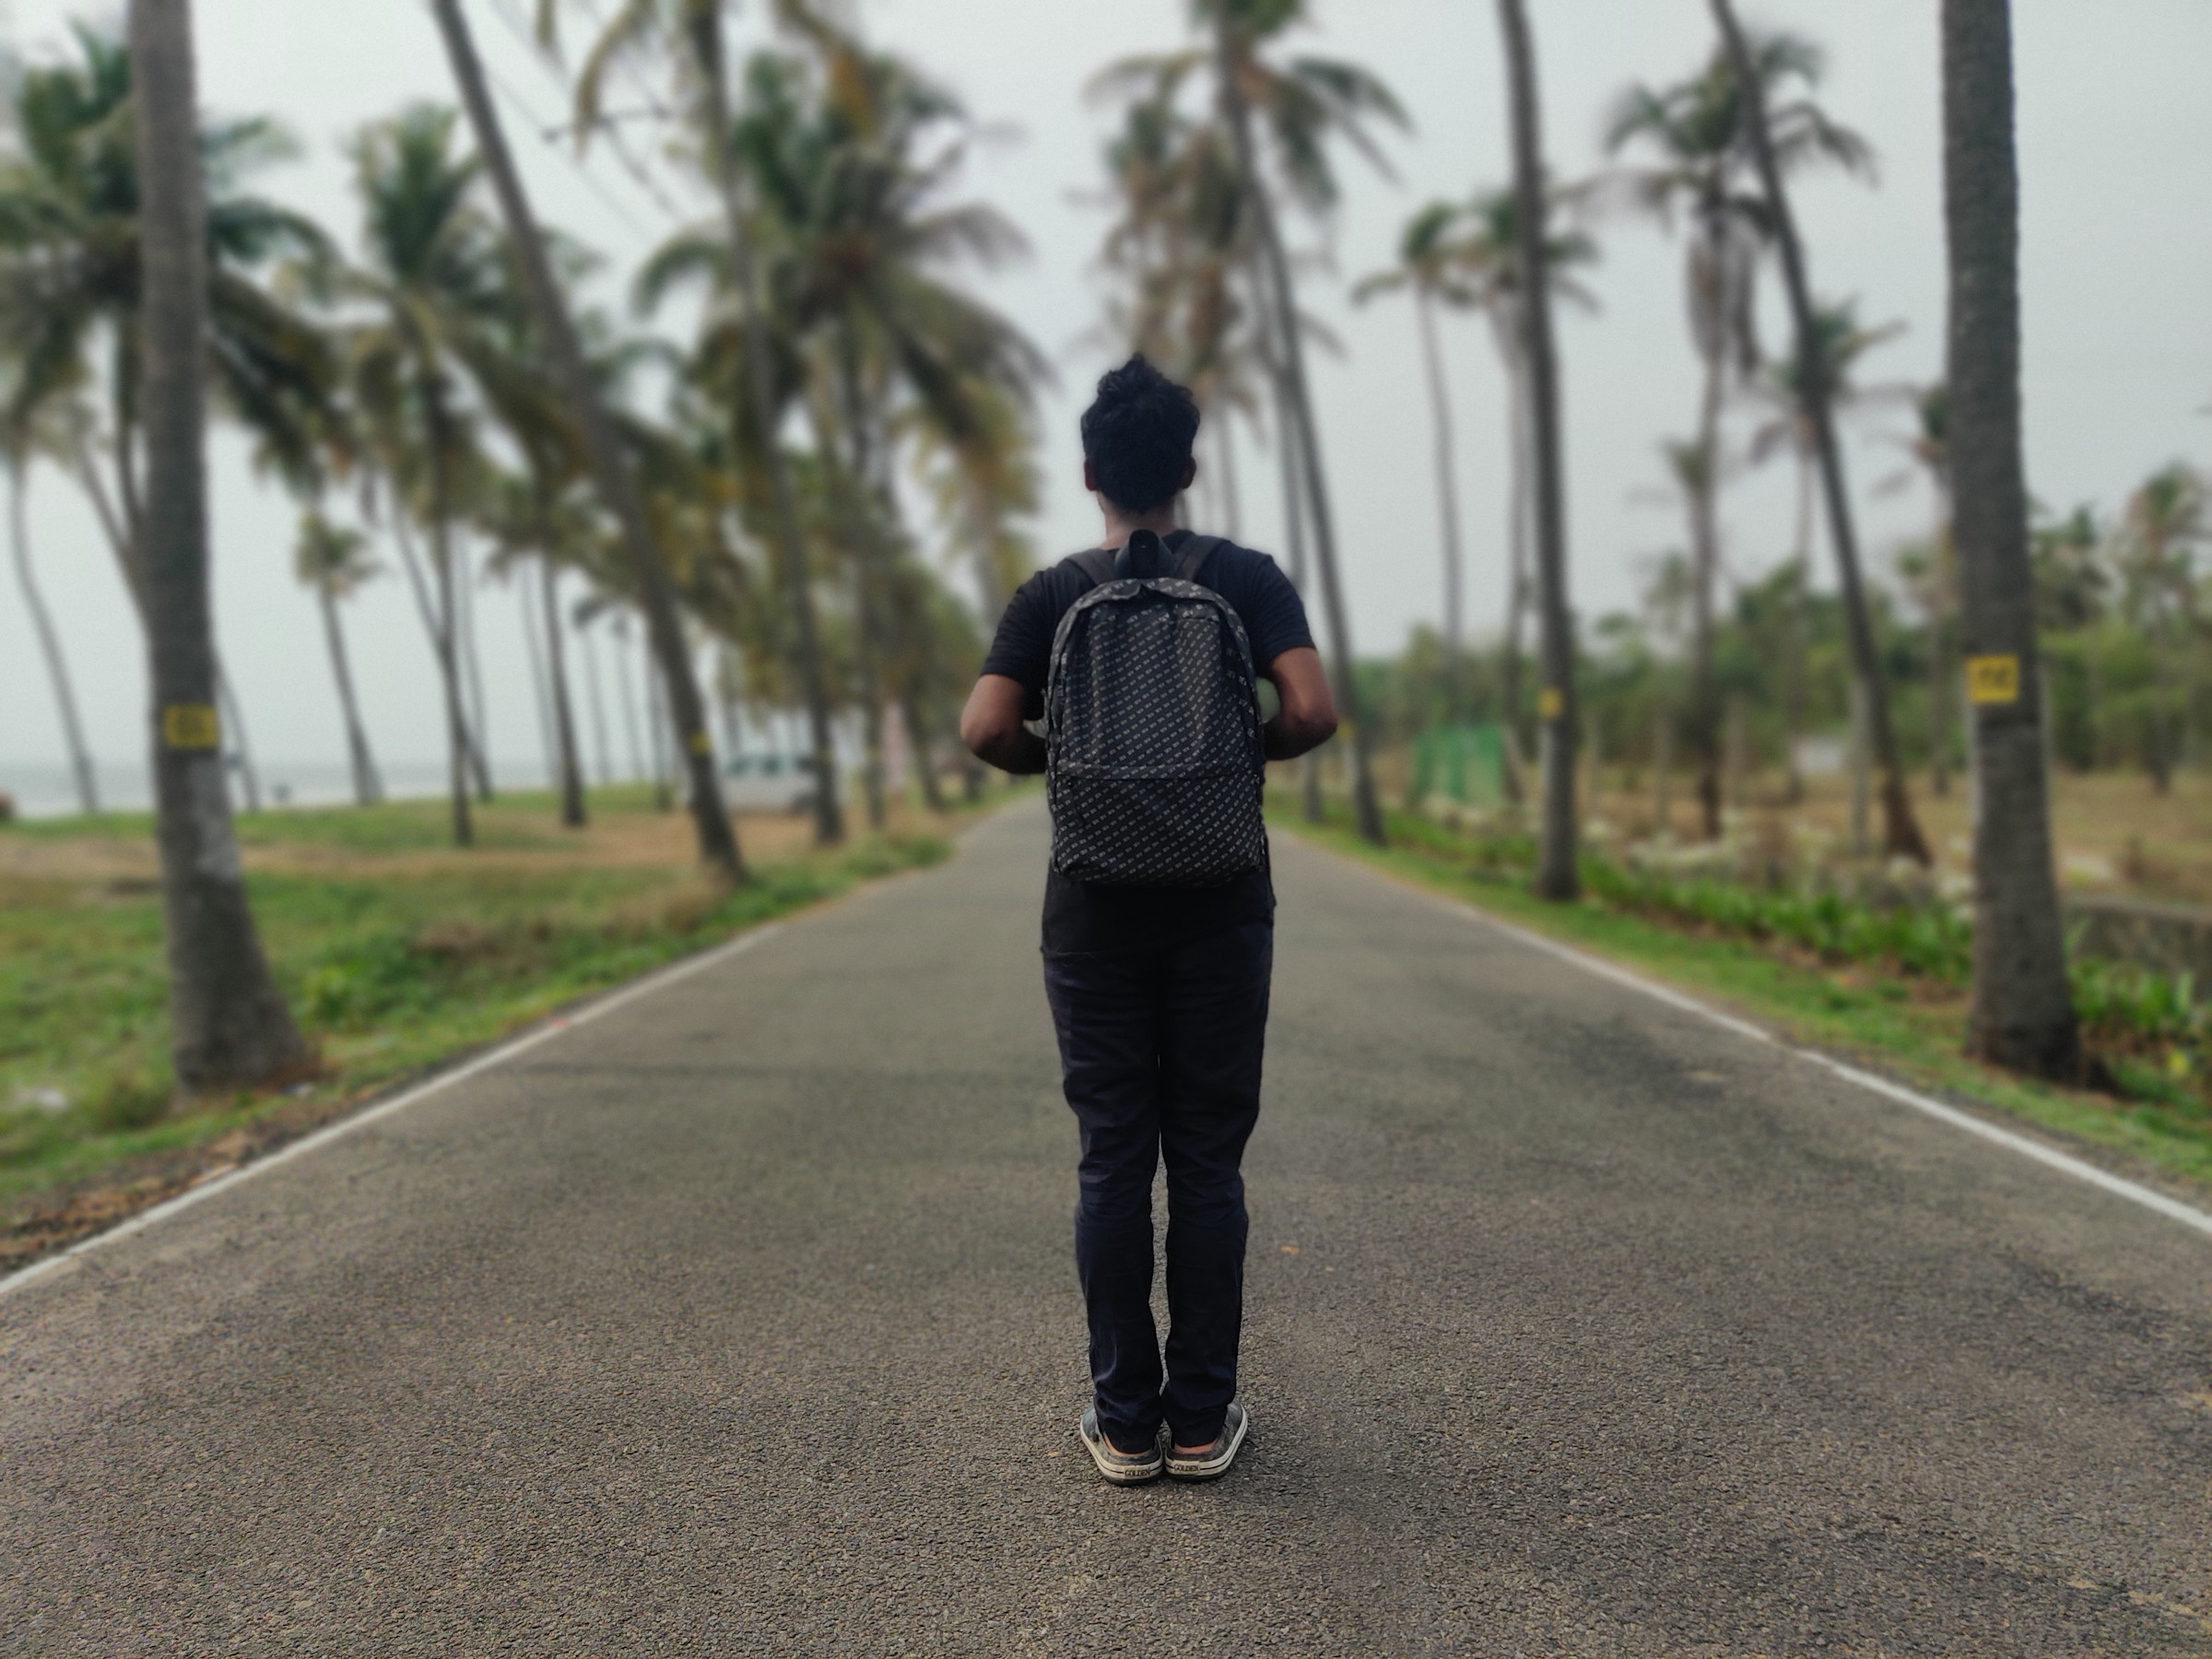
(1154, 765)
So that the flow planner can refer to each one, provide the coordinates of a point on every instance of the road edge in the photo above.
(460, 1070)
(1897, 1093)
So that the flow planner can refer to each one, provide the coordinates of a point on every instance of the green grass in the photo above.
(1909, 1029)
(392, 961)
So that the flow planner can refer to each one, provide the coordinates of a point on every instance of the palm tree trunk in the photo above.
(229, 1026)
(600, 751)
(1232, 506)
(240, 757)
(630, 701)
(464, 616)
(923, 736)
(1800, 633)
(367, 789)
(50, 643)
(657, 729)
(705, 23)
(1505, 324)
(856, 510)
(449, 666)
(2023, 1012)
(716, 837)
(1901, 830)
(427, 608)
(1939, 680)
(1447, 505)
(541, 698)
(1558, 875)
(1282, 298)
(118, 537)
(572, 814)
(1294, 529)
(1705, 562)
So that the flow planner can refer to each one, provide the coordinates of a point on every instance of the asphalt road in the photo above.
(741, 1322)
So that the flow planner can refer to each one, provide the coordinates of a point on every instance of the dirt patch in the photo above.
(56, 1219)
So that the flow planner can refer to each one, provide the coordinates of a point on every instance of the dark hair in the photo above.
(1137, 437)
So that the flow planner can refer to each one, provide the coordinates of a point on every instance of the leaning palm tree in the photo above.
(690, 31)
(50, 640)
(228, 1025)
(1902, 836)
(610, 468)
(1700, 165)
(2022, 1012)
(1558, 876)
(335, 562)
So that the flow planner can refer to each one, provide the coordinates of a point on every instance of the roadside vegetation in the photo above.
(395, 952)
(1881, 974)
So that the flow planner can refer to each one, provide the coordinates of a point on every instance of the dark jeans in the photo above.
(1159, 1054)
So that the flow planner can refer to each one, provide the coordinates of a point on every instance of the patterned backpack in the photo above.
(1154, 768)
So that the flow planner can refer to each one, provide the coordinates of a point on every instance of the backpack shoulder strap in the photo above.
(1096, 563)
(1194, 554)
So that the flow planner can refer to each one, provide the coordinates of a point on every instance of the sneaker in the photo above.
(1212, 1463)
(1123, 1468)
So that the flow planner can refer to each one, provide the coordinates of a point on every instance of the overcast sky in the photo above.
(2116, 145)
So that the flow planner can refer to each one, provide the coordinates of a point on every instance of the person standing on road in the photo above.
(1140, 658)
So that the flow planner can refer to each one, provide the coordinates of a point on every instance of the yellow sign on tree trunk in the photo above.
(1993, 679)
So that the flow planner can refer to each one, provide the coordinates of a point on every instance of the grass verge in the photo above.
(396, 952)
(1911, 1030)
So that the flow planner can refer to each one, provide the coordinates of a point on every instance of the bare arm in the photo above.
(1309, 714)
(990, 726)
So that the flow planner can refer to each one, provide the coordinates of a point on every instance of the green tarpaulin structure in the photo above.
(1464, 763)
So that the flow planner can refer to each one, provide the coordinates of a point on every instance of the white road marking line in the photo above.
(556, 1026)
(2081, 1169)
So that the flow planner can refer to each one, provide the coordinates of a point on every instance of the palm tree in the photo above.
(844, 155)
(1425, 271)
(1819, 395)
(50, 643)
(1558, 876)
(535, 529)
(1486, 261)
(2165, 523)
(1840, 340)
(618, 486)
(1701, 146)
(229, 1026)
(335, 562)
(1938, 577)
(2022, 1014)
(431, 281)
(1299, 105)
(692, 32)
(70, 284)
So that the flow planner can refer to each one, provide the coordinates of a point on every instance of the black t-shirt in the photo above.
(1089, 918)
